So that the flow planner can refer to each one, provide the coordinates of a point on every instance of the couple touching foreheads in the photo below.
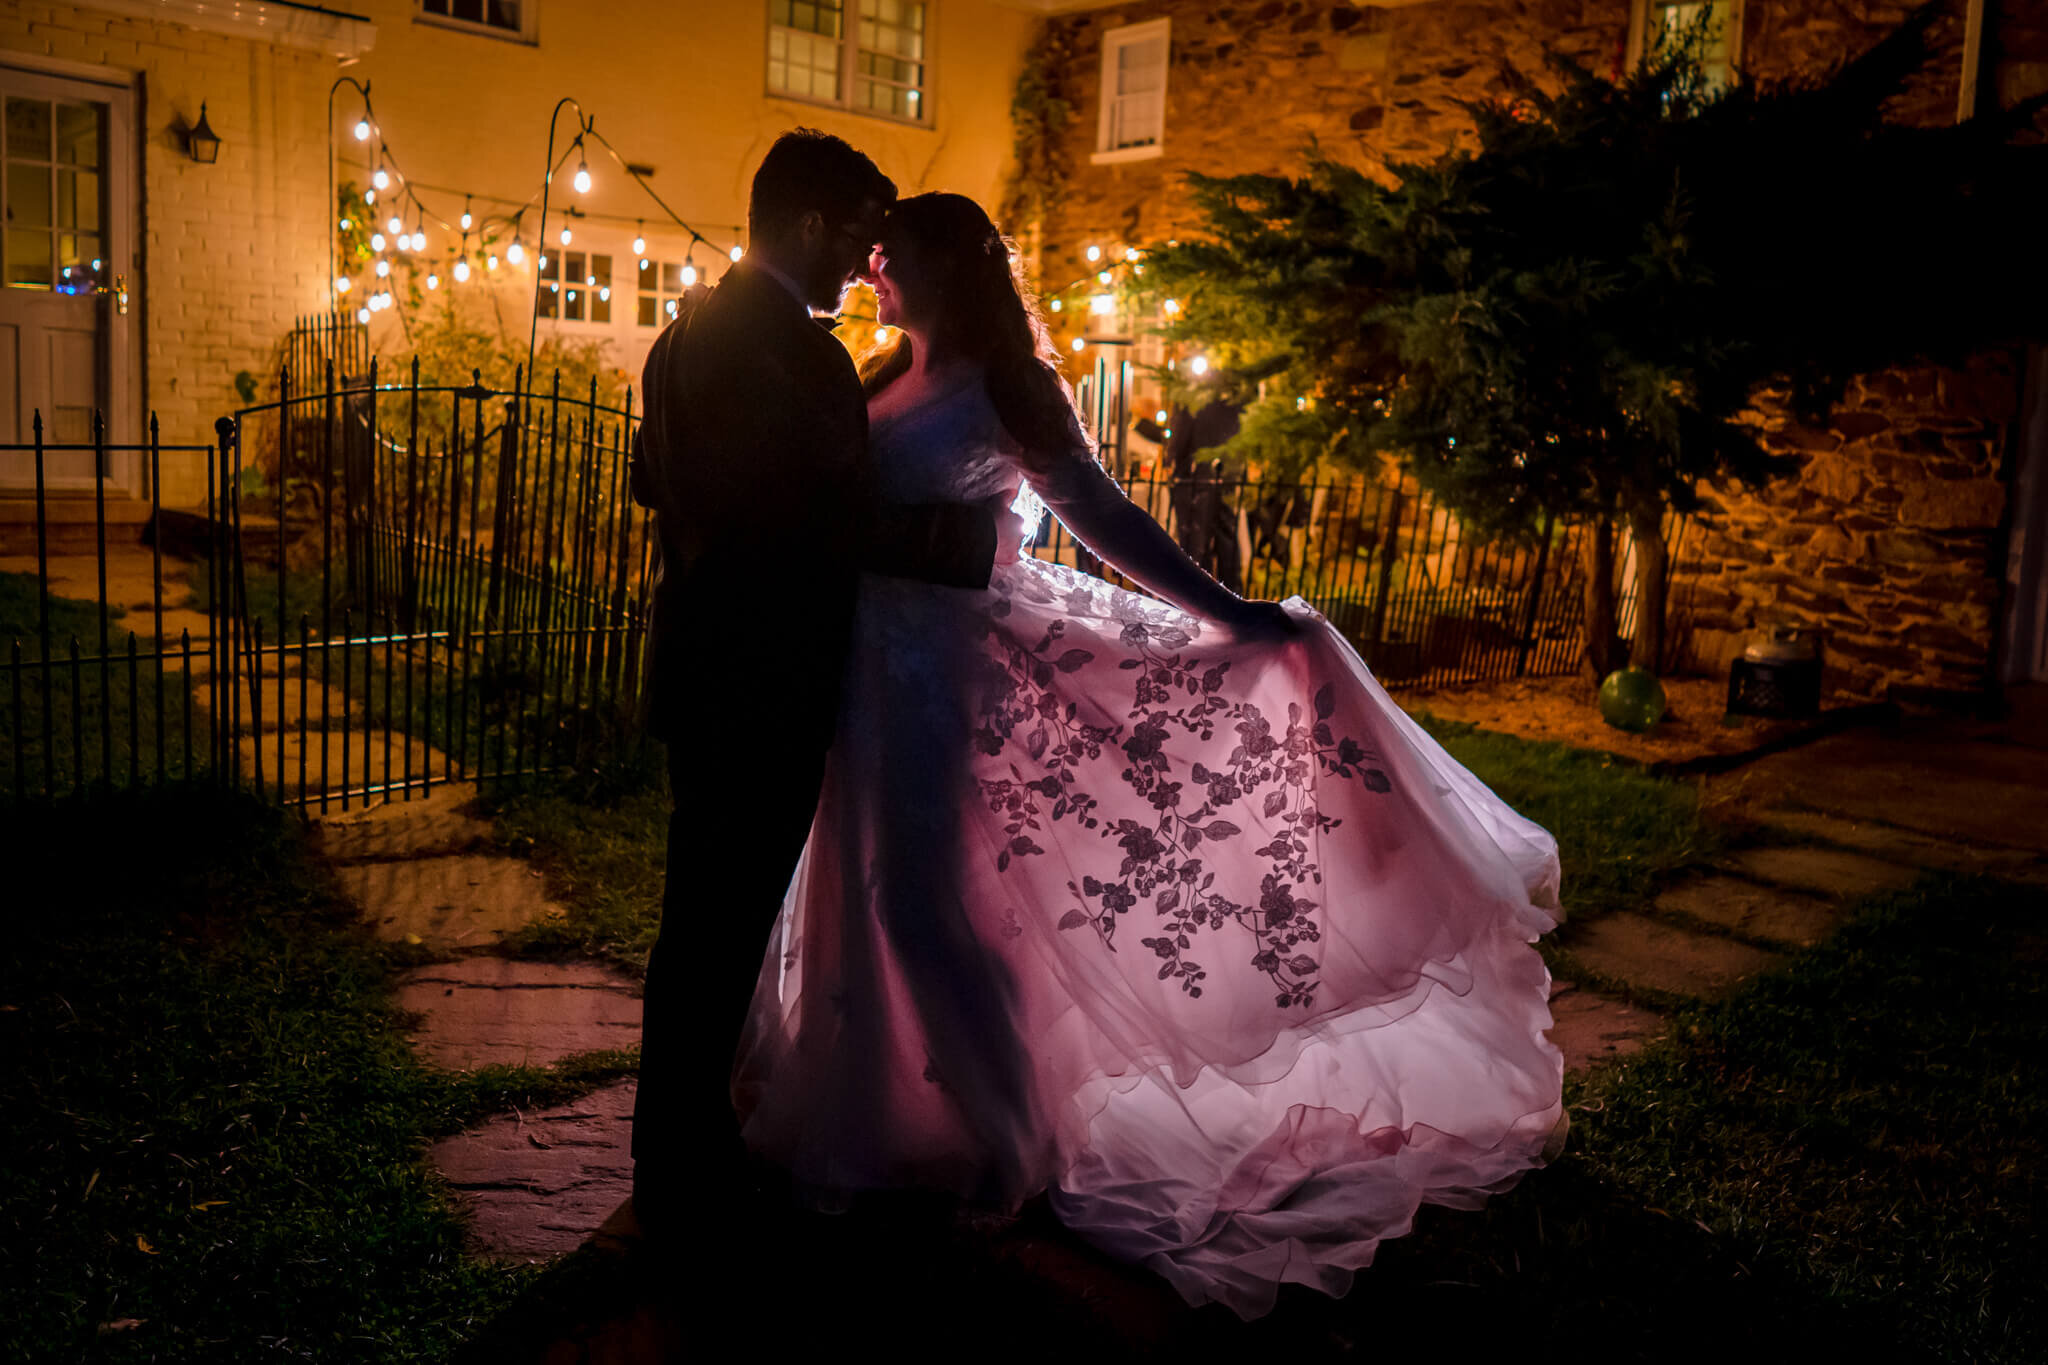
(989, 878)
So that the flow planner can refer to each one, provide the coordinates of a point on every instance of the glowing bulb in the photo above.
(1300, 404)
(341, 284)
(639, 243)
(433, 280)
(1131, 255)
(671, 307)
(1200, 364)
(572, 296)
(689, 278)
(462, 270)
(543, 260)
(419, 240)
(1079, 344)
(1056, 305)
(376, 241)
(515, 253)
(369, 196)
(466, 219)
(567, 236)
(382, 180)
(344, 225)
(1170, 307)
(582, 178)
(1167, 433)
(737, 252)
(1094, 253)
(590, 279)
(362, 130)
(605, 293)
(392, 225)
(491, 261)
(881, 336)
(1172, 364)
(1160, 417)
(362, 315)
(1102, 277)
(644, 263)
(1102, 304)
(383, 269)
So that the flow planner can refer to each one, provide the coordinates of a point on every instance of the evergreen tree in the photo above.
(1574, 319)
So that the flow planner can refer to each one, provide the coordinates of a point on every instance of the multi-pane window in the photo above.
(661, 291)
(511, 18)
(56, 232)
(576, 286)
(866, 55)
(1132, 124)
(1664, 21)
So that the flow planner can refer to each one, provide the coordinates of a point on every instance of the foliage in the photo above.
(1039, 115)
(1575, 318)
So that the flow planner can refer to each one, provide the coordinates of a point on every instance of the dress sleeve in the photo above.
(1089, 504)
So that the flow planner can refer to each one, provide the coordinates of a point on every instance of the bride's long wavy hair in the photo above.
(985, 315)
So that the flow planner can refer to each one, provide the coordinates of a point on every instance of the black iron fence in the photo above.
(391, 586)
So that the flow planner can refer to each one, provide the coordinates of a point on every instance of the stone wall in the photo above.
(228, 254)
(1884, 539)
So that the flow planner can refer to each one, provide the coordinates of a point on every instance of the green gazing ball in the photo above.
(1632, 699)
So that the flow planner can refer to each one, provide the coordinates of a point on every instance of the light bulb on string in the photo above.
(1160, 417)
(383, 268)
(567, 235)
(1102, 305)
(461, 268)
(1102, 277)
(433, 280)
(370, 195)
(362, 315)
(543, 262)
(639, 239)
(1080, 344)
(344, 225)
(605, 293)
(381, 178)
(341, 284)
(644, 263)
(491, 260)
(881, 336)
(590, 280)
(466, 220)
(362, 130)
(392, 225)
(1131, 255)
(1094, 253)
(1200, 364)
(689, 278)
(582, 178)
(1056, 305)
(376, 241)
(1170, 307)
(515, 253)
(737, 252)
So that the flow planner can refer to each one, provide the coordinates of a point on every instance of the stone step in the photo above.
(329, 705)
(1824, 871)
(1741, 906)
(1651, 953)
(1590, 1029)
(483, 1011)
(407, 758)
(1910, 847)
(537, 1184)
(454, 902)
(436, 823)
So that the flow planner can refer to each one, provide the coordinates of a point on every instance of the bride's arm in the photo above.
(1091, 506)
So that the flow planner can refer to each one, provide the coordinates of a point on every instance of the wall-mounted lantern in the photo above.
(202, 142)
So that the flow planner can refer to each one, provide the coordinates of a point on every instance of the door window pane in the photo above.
(28, 128)
(28, 196)
(28, 257)
(78, 134)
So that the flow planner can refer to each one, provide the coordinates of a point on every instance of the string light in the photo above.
(1131, 255)
(1200, 364)
(376, 241)
(1056, 305)
(433, 280)
(1102, 277)
(341, 284)
(566, 234)
(582, 177)
(466, 220)
(383, 269)
(1080, 344)
(605, 293)
(515, 253)
(392, 225)
(1094, 253)
(640, 238)
(1170, 307)
(362, 315)
(543, 262)
(491, 261)
(1102, 304)
(881, 336)
(1160, 417)
(381, 179)
(370, 195)
(736, 253)
(362, 130)
(689, 278)
(461, 269)
(645, 263)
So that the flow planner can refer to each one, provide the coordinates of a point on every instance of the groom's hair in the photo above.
(807, 170)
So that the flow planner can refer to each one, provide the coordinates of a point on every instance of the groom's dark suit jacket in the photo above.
(753, 454)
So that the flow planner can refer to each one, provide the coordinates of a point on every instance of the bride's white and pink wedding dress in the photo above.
(1203, 936)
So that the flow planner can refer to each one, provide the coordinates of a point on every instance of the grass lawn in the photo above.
(214, 1128)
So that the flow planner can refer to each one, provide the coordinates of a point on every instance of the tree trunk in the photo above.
(1604, 653)
(1653, 577)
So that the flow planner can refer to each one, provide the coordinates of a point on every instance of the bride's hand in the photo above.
(1263, 621)
(1009, 537)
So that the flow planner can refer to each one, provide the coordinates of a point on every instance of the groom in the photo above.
(753, 456)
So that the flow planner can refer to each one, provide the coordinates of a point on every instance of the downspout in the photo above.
(1973, 58)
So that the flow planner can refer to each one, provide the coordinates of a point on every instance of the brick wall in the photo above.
(232, 252)
(1884, 540)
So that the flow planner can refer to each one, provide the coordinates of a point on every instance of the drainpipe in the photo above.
(1973, 56)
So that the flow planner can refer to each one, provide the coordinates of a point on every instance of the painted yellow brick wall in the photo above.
(229, 254)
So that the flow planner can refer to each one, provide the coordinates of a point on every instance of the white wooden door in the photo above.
(66, 239)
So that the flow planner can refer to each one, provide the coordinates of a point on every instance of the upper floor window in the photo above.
(1667, 21)
(576, 286)
(1133, 121)
(869, 56)
(504, 18)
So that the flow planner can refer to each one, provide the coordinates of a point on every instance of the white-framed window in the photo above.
(662, 286)
(576, 286)
(514, 19)
(1132, 125)
(1724, 36)
(868, 56)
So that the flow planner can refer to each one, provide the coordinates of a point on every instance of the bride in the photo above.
(1154, 904)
